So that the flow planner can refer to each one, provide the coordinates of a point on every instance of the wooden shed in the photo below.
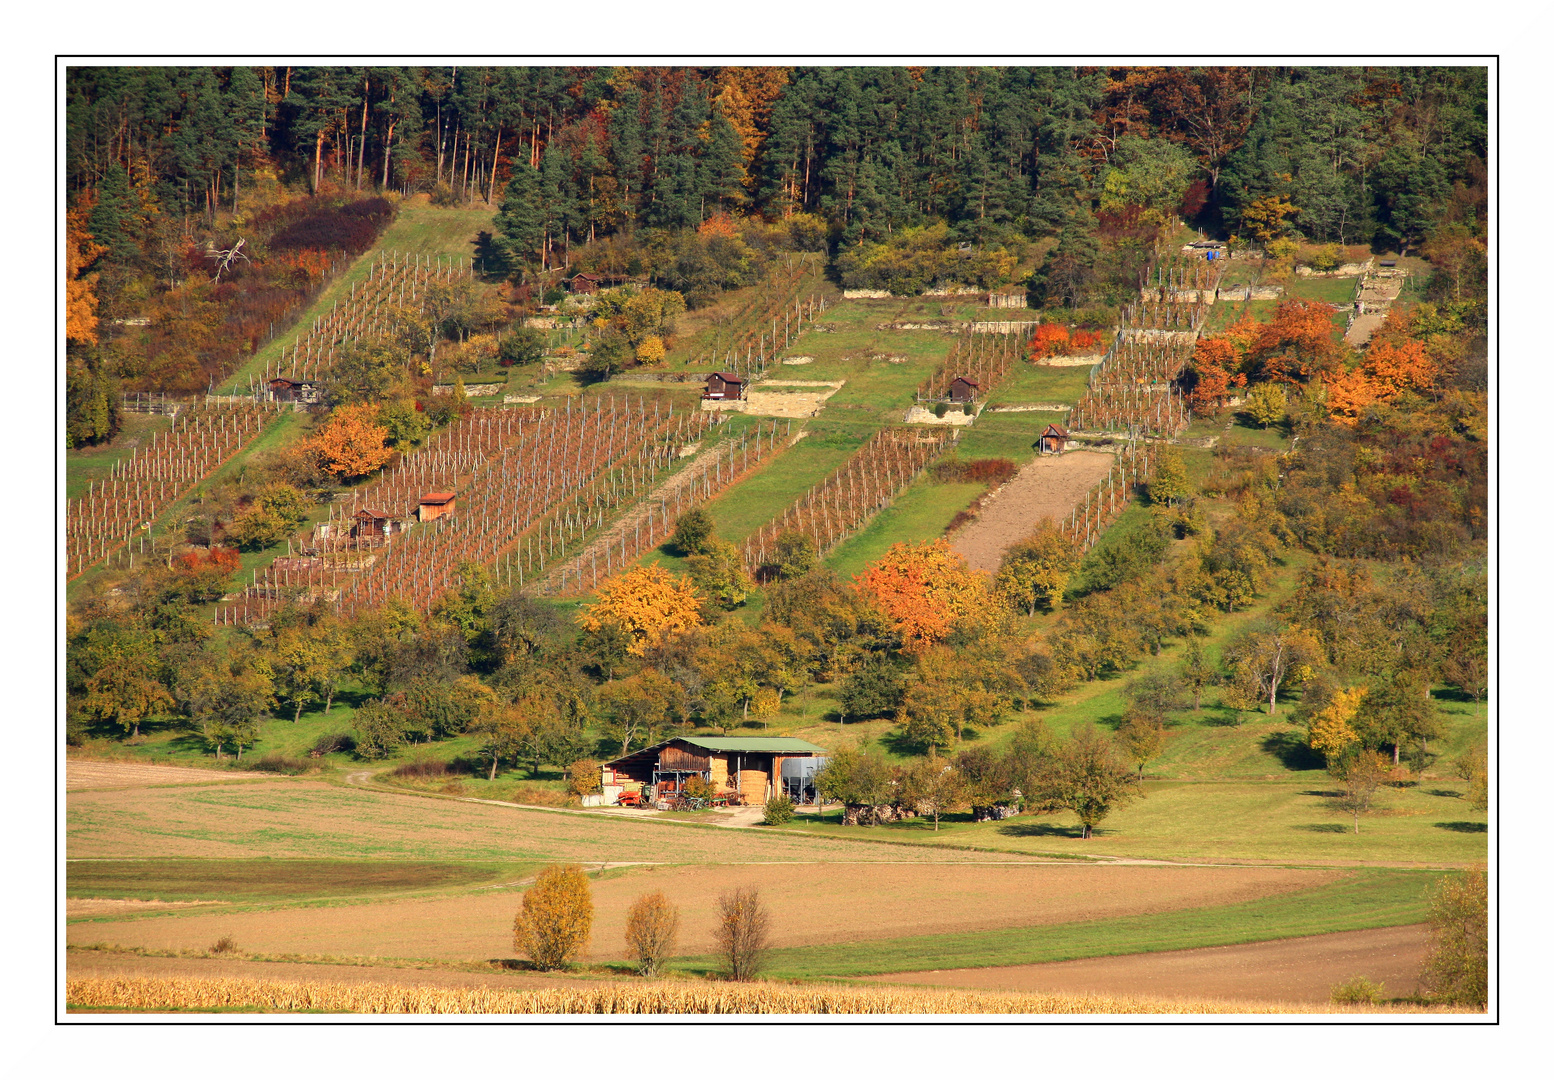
(722, 386)
(293, 390)
(1053, 439)
(964, 389)
(754, 769)
(434, 505)
(583, 284)
(371, 522)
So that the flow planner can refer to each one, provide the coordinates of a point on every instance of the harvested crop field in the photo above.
(80, 775)
(1294, 969)
(1046, 488)
(309, 819)
(810, 905)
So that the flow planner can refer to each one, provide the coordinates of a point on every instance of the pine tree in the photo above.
(520, 220)
(725, 163)
(112, 216)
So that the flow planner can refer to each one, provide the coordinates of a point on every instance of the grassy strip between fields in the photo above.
(1364, 901)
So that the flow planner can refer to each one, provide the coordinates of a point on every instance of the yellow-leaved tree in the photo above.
(1331, 733)
(646, 602)
(557, 915)
(924, 589)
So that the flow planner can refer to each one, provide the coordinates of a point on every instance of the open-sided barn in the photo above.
(749, 770)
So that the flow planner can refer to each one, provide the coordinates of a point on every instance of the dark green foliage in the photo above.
(524, 345)
(91, 406)
(874, 688)
(693, 532)
(795, 554)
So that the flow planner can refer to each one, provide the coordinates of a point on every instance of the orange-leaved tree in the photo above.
(352, 443)
(1050, 339)
(1218, 361)
(81, 251)
(923, 589)
(646, 602)
(1296, 344)
(1390, 367)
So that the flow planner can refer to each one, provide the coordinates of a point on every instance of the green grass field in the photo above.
(1362, 901)
(91, 463)
(920, 512)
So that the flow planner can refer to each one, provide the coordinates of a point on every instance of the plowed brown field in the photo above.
(120, 774)
(810, 904)
(1048, 487)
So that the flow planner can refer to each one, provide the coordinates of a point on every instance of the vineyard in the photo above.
(1133, 388)
(984, 358)
(1182, 279)
(395, 281)
(845, 500)
(653, 519)
(1106, 501)
(112, 520)
(530, 485)
(764, 323)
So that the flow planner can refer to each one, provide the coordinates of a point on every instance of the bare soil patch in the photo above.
(811, 904)
(1299, 970)
(117, 774)
(1048, 487)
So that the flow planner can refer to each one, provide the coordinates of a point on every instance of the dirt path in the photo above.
(1046, 488)
(1295, 969)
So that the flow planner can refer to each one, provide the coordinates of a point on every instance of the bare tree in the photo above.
(1360, 775)
(743, 925)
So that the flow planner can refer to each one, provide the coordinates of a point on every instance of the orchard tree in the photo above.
(1084, 775)
(693, 532)
(795, 554)
(647, 602)
(924, 590)
(1035, 571)
(1142, 737)
(1456, 969)
(934, 786)
(1360, 775)
(1265, 656)
(719, 573)
(652, 926)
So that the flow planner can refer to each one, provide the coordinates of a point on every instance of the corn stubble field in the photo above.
(662, 998)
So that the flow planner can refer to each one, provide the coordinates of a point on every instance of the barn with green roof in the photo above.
(745, 770)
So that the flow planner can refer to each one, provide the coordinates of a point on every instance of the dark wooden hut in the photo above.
(749, 769)
(964, 389)
(434, 505)
(722, 386)
(1053, 439)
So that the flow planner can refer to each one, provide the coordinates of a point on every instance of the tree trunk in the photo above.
(1086, 834)
(388, 142)
(298, 714)
(361, 151)
(493, 768)
(491, 189)
(329, 702)
(1395, 754)
(318, 159)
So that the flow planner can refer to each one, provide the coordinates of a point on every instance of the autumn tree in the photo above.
(1168, 485)
(1084, 775)
(1035, 571)
(1456, 969)
(1142, 737)
(652, 925)
(1265, 218)
(125, 685)
(352, 443)
(273, 513)
(202, 576)
(1473, 766)
(646, 602)
(1266, 404)
(1331, 733)
(553, 925)
(1359, 775)
(636, 708)
(1265, 656)
(875, 687)
(923, 589)
(854, 778)
(81, 251)
(933, 786)
(1196, 671)
(742, 933)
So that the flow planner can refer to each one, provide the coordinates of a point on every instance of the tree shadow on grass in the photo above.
(1221, 716)
(1323, 794)
(1463, 826)
(1330, 827)
(1444, 793)
(1042, 829)
(1291, 750)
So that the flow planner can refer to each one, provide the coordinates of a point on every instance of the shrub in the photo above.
(280, 763)
(993, 471)
(941, 409)
(652, 925)
(583, 777)
(779, 811)
(422, 769)
(225, 944)
(742, 932)
(968, 409)
(331, 743)
(553, 925)
(1357, 991)
(699, 787)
